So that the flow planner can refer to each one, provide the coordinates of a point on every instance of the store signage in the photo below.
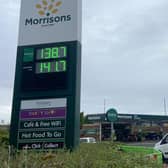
(46, 101)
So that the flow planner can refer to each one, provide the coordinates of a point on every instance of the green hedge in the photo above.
(4, 137)
(100, 155)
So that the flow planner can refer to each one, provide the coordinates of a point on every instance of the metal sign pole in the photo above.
(100, 132)
(112, 131)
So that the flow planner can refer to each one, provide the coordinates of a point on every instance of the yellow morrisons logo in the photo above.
(48, 7)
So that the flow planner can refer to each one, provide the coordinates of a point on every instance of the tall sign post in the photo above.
(46, 100)
(112, 116)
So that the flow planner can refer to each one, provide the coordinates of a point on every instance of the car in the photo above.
(162, 146)
(152, 136)
(87, 140)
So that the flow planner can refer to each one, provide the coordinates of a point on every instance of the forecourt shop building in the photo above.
(128, 127)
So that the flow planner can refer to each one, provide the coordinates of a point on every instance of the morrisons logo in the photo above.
(46, 9)
(47, 20)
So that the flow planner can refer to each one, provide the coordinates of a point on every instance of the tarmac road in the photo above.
(145, 144)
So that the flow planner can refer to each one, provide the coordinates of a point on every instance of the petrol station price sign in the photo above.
(46, 99)
(54, 62)
(46, 67)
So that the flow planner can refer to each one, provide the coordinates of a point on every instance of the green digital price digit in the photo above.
(63, 65)
(54, 52)
(64, 51)
(46, 53)
(60, 66)
(45, 67)
(58, 52)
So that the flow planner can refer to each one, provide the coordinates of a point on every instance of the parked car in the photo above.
(87, 140)
(152, 136)
(162, 146)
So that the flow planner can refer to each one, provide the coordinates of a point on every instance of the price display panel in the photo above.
(45, 67)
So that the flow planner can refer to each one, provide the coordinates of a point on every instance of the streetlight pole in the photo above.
(104, 106)
(165, 112)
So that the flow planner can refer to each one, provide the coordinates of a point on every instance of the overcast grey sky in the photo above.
(124, 55)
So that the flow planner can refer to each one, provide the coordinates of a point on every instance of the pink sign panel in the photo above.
(59, 112)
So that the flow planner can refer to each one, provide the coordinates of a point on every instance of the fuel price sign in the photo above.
(46, 99)
(47, 66)
(57, 57)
